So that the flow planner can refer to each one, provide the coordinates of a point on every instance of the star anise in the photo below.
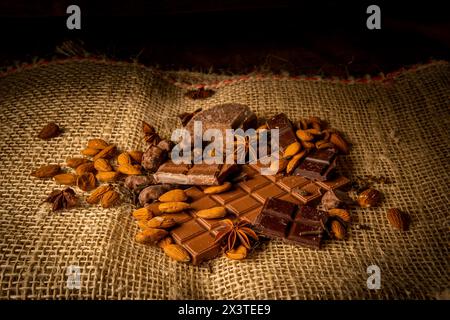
(185, 117)
(62, 199)
(150, 135)
(232, 231)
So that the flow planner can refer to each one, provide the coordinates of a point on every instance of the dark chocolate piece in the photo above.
(286, 133)
(284, 220)
(318, 165)
(197, 174)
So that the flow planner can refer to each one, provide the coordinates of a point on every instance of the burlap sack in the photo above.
(399, 126)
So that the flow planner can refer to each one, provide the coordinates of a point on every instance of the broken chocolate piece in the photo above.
(222, 117)
(286, 134)
(284, 220)
(318, 165)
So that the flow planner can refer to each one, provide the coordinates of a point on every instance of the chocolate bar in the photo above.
(286, 133)
(284, 220)
(318, 165)
(197, 174)
(222, 117)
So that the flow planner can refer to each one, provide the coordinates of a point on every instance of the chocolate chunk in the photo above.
(318, 165)
(152, 193)
(153, 157)
(335, 199)
(222, 117)
(197, 174)
(284, 220)
(286, 133)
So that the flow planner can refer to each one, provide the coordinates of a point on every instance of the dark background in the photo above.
(301, 37)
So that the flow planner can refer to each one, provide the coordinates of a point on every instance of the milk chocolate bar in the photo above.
(284, 220)
(196, 174)
(222, 117)
(319, 165)
(286, 133)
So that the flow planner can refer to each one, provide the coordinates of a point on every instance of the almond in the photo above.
(75, 162)
(67, 179)
(109, 199)
(46, 171)
(294, 162)
(136, 155)
(308, 144)
(154, 208)
(304, 135)
(177, 252)
(123, 158)
(398, 219)
(150, 235)
(323, 144)
(218, 189)
(175, 195)
(172, 207)
(164, 242)
(106, 152)
(97, 194)
(142, 214)
(262, 127)
(85, 168)
(86, 181)
(340, 143)
(292, 149)
(98, 144)
(369, 198)
(344, 215)
(107, 176)
(51, 130)
(212, 213)
(89, 152)
(314, 132)
(128, 169)
(102, 165)
(237, 254)
(338, 230)
(161, 222)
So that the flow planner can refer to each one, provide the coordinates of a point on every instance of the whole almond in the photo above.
(304, 135)
(344, 215)
(323, 144)
(123, 158)
(172, 207)
(142, 214)
(98, 144)
(150, 235)
(165, 241)
(308, 144)
(294, 162)
(136, 155)
(369, 198)
(316, 123)
(128, 169)
(162, 222)
(218, 189)
(175, 195)
(46, 171)
(75, 162)
(292, 149)
(85, 168)
(107, 176)
(338, 230)
(106, 152)
(237, 254)
(177, 252)
(302, 124)
(212, 213)
(51, 130)
(340, 143)
(314, 132)
(89, 152)
(398, 219)
(102, 165)
(97, 194)
(109, 198)
(86, 181)
(67, 179)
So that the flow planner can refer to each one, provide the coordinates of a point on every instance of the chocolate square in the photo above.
(187, 231)
(268, 191)
(307, 193)
(254, 183)
(305, 235)
(242, 205)
(311, 216)
(228, 196)
(203, 203)
(279, 208)
(271, 225)
(202, 247)
(290, 182)
(194, 193)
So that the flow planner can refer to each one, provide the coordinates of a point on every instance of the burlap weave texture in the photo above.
(399, 129)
